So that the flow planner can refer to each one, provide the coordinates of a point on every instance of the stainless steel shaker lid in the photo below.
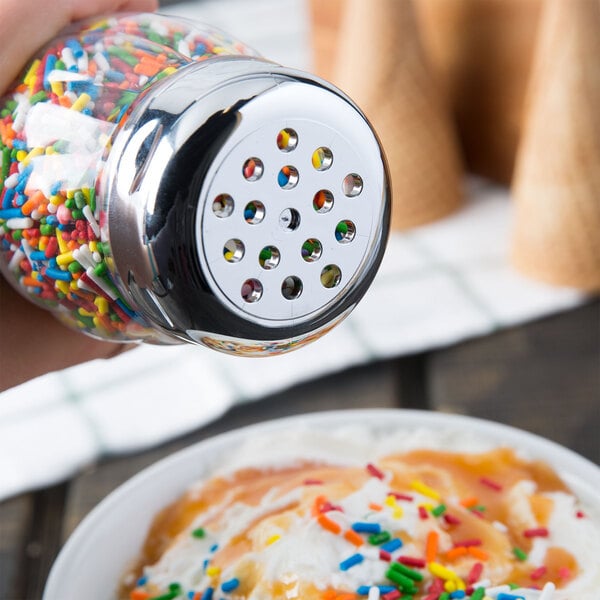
(291, 209)
(257, 202)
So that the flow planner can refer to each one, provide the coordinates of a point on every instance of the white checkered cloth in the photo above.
(438, 284)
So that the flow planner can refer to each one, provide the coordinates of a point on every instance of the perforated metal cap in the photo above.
(258, 206)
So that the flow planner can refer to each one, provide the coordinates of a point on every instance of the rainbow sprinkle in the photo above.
(351, 561)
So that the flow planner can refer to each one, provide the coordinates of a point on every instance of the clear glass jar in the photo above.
(161, 182)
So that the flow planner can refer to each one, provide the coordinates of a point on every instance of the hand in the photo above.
(32, 341)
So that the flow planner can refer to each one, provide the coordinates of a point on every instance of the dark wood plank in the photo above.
(413, 381)
(15, 516)
(543, 377)
(41, 543)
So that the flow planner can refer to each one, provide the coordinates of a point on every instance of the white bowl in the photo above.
(95, 557)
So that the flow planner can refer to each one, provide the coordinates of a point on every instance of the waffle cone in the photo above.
(481, 53)
(325, 17)
(381, 65)
(557, 181)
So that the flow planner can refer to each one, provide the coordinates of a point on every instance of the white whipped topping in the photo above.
(349, 445)
(305, 547)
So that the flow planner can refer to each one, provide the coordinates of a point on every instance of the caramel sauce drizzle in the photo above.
(454, 475)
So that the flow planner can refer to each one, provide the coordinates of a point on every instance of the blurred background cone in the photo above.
(381, 65)
(325, 19)
(481, 53)
(557, 179)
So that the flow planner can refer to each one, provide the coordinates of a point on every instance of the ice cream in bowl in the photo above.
(344, 506)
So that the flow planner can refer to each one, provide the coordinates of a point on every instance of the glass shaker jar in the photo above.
(161, 182)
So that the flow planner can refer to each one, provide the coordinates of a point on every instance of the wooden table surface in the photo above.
(543, 377)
